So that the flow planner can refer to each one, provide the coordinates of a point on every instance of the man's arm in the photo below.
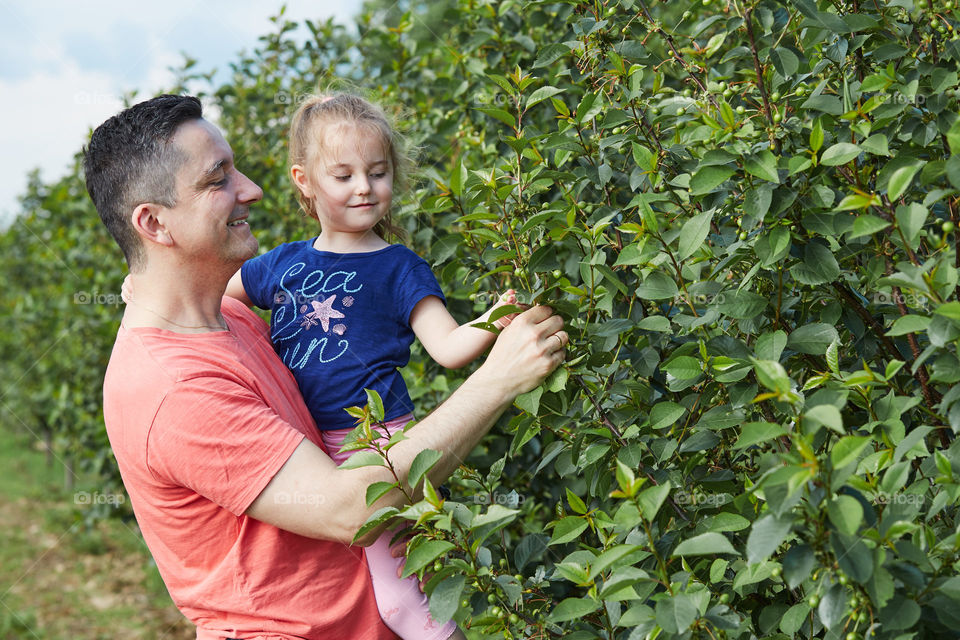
(524, 354)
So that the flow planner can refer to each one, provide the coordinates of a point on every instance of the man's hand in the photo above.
(525, 353)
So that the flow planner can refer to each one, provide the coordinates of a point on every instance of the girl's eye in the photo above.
(378, 175)
(342, 178)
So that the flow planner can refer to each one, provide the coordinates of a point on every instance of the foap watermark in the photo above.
(899, 498)
(299, 498)
(497, 99)
(87, 498)
(92, 97)
(897, 298)
(98, 298)
(699, 498)
(291, 98)
(685, 299)
(897, 97)
(511, 500)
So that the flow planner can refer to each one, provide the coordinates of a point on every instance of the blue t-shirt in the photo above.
(341, 322)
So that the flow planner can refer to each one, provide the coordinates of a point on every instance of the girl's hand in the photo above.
(507, 297)
(126, 289)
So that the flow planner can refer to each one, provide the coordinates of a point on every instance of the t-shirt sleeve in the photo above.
(259, 279)
(416, 284)
(219, 439)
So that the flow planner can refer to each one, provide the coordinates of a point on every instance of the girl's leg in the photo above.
(403, 607)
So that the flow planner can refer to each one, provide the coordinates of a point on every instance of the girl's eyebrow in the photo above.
(342, 165)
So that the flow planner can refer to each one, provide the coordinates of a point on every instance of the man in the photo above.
(248, 519)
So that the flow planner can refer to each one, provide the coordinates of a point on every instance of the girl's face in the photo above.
(350, 182)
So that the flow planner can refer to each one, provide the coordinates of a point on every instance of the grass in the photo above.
(66, 575)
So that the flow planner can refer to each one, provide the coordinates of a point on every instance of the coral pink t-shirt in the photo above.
(199, 424)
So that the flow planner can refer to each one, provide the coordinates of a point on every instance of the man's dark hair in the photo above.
(130, 161)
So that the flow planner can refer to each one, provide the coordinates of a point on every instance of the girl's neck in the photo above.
(348, 242)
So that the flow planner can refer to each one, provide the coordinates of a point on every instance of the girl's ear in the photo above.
(299, 175)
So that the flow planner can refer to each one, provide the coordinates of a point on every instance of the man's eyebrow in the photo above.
(210, 173)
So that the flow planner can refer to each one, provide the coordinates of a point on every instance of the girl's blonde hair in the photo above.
(307, 143)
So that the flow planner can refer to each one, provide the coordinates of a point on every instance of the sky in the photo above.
(65, 66)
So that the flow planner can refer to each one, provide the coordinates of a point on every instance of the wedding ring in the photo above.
(559, 339)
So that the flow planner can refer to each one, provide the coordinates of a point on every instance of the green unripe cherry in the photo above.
(492, 598)
(437, 566)
(556, 273)
(813, 601)
(514, 618)
(681, 111)
(777, 117)
(947, 227)
(741, 110)
(728, 93)
(724, 598)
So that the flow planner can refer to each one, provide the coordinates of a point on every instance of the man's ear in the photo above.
(147, 221)
(299, 175)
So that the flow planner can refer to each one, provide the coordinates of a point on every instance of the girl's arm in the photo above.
(235, 290)
(449, 344)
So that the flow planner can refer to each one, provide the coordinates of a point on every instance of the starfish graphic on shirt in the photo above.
(322, 313)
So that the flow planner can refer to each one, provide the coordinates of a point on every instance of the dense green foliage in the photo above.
(746, 213)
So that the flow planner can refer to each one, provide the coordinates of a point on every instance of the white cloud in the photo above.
(64, 66)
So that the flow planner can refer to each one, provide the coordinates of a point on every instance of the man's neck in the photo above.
(184, 306)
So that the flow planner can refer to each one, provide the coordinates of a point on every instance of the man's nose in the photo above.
(248, 190)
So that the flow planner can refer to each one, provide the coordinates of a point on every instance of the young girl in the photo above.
(346, 304)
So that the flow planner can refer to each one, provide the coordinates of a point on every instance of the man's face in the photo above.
(213, 199)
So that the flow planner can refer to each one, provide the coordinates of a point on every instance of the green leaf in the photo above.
(542, 94)
(572, 609)
(819, 266)
(423, 554)
(772, 375)
(657, 286)
(676, 613)
(756, 202)
(756, 432)
(784, 61)
(377, 490)
(363, 459)
(652, 499)
(876, 144)
(900, 180)
(953, 137)
(900, 613)
(832, 606)
(503, 116)
(910, 219)
(816, 136)
(853, 556)
(826, 415)
(445, 598)
(496, 514)
(770, 345)
(794, 618)
(421, 465)
(741, 305)
(766, 535)
(866, 225)
(654, 323)
(665, 414)
(909, 324)
(375, 404)
(683, 367)
(693, 233)
(847, 450)
(762, 165)
(567, 529)
(846, 514)
(798, 564)
(812, 338)
(840, 153)
(705, 544)
(530, 402)
(708, 178)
